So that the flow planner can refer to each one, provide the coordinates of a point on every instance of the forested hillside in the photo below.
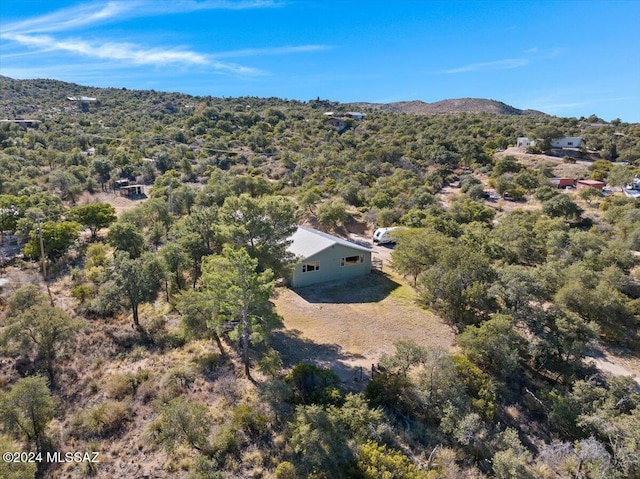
(142, 327)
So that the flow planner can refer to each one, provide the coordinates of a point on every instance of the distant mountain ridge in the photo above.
(459, 105)
(26, 94)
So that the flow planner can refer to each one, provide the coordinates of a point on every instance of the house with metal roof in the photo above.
(323, 257)
(582, 184)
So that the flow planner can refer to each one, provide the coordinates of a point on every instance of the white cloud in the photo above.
(110, 50)
(99, 12)
(72, 18)
(506, 64)
(45, 34)
(127, 52)
(531, 55)
(271, 51)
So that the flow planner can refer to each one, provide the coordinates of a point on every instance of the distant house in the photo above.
(337, 123)
(567, 142)
(121, 183)
(356, 115)
(564, 142)
(131, 190)
(323, 257)
(582, 184)
(562, 182)
(82, 98)
(524, 142)
(20, 121)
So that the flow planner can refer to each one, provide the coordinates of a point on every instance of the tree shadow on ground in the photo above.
(371, 288)
(294, 348)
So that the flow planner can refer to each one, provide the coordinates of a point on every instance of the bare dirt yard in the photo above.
(348, 325)
(120, 203)
(561, 169)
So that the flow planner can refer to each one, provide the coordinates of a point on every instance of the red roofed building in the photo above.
(582, 184)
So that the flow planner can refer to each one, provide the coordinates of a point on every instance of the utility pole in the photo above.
(43, 260)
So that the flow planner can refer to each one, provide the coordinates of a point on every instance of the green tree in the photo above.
(561, 206)
(600, 170)
(309, 197)
(466, 210)
(263, 226)
(311, 384)
(285, 470)
(138, 280)
(27, 408)
(438, 385)
(518, 290)
(94, 216)
(126, 237)
(332, 213)
(375, 461)
(478, 385)
(57, 238)
(199, 312)
(24, 298)
(415, 251)
(320, 443)
(241, 293)
(494, 345)
(510, 461)
(546, 133)
(102, 168)
(522, 235)
(507, 164)
(184, 422)
(14, 470)
(408, 354)
(359, 420)
(620, 175)
(589, 194)
(476, 192)
(12, 208)
(605, 411)
(458, 283)
(176, 262)
(596, 300)
(561, 340)
(44, 330)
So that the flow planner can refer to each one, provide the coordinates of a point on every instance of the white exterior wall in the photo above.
(567, 142)
(524, 142)
(331, 268)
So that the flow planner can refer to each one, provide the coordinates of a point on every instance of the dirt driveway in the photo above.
(349, 324)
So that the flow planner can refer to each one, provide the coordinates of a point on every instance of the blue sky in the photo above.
(566, 58)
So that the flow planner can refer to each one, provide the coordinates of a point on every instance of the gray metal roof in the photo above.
(306, 242)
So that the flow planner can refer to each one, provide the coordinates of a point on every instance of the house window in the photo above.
(311, 266)
(350, 260)
(570, 143)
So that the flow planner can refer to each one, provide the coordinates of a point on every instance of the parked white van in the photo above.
(385, 235)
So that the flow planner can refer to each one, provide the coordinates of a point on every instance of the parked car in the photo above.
(385, 235)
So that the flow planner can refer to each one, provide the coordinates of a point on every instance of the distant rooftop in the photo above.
(81, 98)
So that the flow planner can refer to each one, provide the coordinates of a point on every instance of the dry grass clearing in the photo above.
(348, 324)
(579, 169)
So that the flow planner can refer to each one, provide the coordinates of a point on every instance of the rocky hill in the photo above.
(29, 97)
(460, 105)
